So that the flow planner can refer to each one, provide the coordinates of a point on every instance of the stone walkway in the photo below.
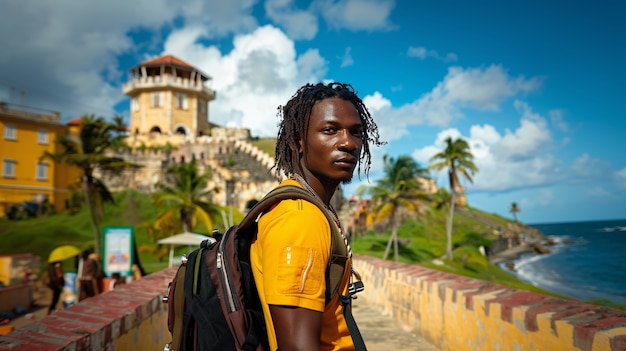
(382, 333)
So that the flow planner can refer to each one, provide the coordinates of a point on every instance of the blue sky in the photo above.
(534, 86)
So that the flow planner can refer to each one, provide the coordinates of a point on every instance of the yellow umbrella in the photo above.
(63, 253)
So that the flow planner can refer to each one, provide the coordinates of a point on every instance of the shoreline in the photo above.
(512, 254)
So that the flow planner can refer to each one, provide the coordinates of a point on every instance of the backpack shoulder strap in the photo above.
(339, 252)
(179, 309)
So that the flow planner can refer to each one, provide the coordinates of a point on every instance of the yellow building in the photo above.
(26, 133)
(168, 96)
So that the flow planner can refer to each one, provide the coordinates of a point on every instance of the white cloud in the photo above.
(219, 18)
(557, 119)
(506, 160)
(312, 66)
(423, 53)
(382, 112)
(532, 135)
(347, 59)
(376, 102)
(299, 24)
(357, 15)
(483, 88)
(461, 89)
(523, 158)
(514, 159)
(586, 167)
(597, 192)
(424, 154)
(353, 15)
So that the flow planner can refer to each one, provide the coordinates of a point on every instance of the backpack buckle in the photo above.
(166, 296)
(355, 287)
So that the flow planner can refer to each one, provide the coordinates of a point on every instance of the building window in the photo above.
(42, 171)
(135, 104)
(10, 132)
(8, 168)
(202, 106)
(155, 100)
(181, 101)
(42, 136)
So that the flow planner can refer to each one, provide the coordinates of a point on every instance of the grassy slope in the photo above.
(423, 239)
(268, 145)
(40, 236)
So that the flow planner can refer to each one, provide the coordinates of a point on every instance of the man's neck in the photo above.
(324, 191)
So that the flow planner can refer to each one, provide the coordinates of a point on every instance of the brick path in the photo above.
(382, 333)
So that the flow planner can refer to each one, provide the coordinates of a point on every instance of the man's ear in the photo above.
(300, 144)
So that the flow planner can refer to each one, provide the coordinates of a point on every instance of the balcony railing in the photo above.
(167, 82)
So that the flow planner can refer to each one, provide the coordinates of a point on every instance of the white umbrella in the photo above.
(187, 238)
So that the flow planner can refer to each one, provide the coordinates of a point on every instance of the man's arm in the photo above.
(296, 328)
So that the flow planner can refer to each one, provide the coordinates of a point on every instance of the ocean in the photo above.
(587, 262)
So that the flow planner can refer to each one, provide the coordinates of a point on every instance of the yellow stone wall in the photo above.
(450, 311)
(150, 334)
(459, 313)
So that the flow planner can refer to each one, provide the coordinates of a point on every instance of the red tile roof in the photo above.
(167, 59)
(74, 122)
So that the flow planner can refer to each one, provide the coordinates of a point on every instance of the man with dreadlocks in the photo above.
(324, 134)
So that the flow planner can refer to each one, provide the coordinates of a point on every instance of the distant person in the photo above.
(90, 277)
(116, 280)
(137, 268)
(56, 283)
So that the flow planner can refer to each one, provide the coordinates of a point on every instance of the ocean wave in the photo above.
(585, 263)
(566, 240)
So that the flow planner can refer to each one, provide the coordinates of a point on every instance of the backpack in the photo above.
(212, 301)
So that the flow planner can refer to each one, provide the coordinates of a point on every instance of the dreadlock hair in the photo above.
(294, 117)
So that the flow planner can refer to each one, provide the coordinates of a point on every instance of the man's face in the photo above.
(333, 141)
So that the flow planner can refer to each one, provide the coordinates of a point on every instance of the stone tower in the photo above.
(168, 97)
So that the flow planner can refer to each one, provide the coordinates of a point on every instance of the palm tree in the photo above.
(441, 200)
(186, 197)
(398, 189)
(515, 209)
(456, 157)
(88, 151)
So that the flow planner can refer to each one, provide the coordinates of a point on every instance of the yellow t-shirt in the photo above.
(289, 259)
